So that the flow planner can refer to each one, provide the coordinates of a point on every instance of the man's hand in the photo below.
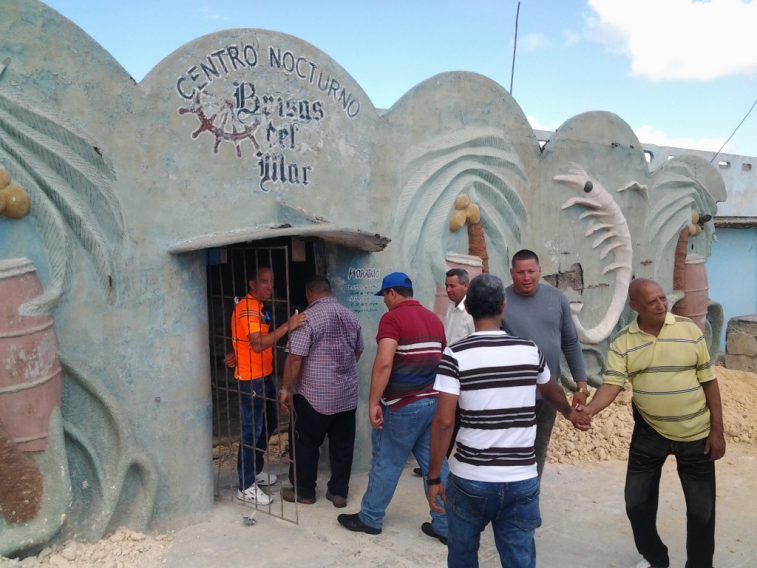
(230, 360)
(296, 320)
(376, 414)
(601, 399)
(285, 400)
(289, 380)
(579, 418)
(436, 492)
(579, 399)
(382, 368)
(715, 445)
(580, 396)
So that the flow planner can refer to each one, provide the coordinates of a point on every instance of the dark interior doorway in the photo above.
(293, 262)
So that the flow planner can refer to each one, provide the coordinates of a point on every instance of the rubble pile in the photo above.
(611, 429)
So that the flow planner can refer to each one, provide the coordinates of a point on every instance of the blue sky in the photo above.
(680, 72)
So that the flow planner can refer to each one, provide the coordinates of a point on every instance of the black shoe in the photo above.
(353, 523)
(417, 471)
(429, 530)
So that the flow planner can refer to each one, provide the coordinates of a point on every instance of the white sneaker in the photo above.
(254, 495)
(643, 564)
(265, 479)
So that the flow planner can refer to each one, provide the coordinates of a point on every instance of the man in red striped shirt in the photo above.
(402, 402)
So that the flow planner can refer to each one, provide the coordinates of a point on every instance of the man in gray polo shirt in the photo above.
(541, 313)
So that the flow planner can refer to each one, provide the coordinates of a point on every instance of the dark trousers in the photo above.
(647, 454)
(545, 421)
(308, 433)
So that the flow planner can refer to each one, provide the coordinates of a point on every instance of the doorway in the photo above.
(293, 261)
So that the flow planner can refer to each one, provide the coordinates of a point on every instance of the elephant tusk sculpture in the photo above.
(607, 219)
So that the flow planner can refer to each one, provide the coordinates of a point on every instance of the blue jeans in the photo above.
(512, 509)
(257, 411)
(405, 430)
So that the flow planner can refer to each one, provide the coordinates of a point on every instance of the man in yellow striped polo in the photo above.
(677, 410)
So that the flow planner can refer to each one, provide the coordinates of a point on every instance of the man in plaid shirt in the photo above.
(320, 385)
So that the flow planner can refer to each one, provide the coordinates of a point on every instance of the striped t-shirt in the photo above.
(666, 373)
(494, 376)
(419, 334)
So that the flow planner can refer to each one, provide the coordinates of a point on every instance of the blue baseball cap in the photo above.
(395, 280)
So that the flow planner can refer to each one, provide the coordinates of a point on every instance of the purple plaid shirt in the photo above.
(328, 341)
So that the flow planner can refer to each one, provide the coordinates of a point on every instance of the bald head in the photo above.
(640, 284)
(647, 298)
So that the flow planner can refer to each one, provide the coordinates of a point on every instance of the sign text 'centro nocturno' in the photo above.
(233, 107)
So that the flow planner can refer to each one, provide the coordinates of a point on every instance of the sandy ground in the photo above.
(584, 522)
(584, 525)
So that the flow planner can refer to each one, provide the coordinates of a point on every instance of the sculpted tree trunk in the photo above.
(468, 214)
(476, 237)
(679, 264)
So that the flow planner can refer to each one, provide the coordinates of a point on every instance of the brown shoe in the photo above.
(338, 501)
(287, 494)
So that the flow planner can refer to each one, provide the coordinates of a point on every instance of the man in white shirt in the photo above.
(458, 324)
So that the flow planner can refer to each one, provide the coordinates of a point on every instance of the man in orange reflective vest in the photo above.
(253, 349)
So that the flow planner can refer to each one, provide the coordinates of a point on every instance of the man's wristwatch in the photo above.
(583, 390)
(433, 480)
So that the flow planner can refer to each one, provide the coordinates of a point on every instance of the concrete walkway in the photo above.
(584, 525)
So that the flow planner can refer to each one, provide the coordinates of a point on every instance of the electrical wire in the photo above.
(734, 131)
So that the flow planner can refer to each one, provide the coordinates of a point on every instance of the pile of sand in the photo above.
(611, 430)
(122, 549)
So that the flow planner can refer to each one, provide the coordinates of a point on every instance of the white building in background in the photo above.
(732, 267)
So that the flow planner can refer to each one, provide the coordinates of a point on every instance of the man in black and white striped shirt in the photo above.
(493, 478)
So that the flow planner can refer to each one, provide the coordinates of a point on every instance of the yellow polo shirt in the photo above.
(666, 373)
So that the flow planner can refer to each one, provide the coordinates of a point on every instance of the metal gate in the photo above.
(229, 270)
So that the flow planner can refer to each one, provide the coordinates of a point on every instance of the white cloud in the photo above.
(650, 135)
(534, 42)
(679, 39)
(571, 37)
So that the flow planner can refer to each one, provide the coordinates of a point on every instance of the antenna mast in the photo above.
(515, 46)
